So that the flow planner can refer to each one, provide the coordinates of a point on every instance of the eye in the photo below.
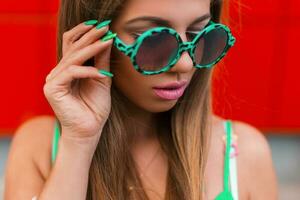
(191, 35)
(193, 32)
(135, 35)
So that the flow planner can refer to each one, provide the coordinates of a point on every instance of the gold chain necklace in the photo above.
(142, 173)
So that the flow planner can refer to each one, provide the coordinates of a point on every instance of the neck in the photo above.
(141, 123)
(144, 123)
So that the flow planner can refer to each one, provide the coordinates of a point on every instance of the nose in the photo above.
(184, 64)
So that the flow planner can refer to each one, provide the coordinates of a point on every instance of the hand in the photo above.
(80, 95)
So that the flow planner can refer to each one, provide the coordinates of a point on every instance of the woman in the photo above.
(121, 137)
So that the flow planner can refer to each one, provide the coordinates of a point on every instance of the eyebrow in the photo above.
(163, 22)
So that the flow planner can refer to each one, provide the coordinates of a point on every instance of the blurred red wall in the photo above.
(257, 82)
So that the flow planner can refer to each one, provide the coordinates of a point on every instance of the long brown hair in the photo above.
(184, 130)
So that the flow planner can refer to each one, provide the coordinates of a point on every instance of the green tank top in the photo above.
(226, 194)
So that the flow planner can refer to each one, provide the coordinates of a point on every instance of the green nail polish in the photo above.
(108, 37)
(106, 73)
(91, 22)
(102, 24)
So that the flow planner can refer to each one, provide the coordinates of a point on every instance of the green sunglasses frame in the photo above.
(132, 49)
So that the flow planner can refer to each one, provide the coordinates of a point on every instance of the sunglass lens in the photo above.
(210, 46)
(157, 51)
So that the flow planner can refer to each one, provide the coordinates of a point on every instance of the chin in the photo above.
(148, 104)
(159, 106)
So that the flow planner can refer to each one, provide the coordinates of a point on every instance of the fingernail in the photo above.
(102, 24)
(106, 73)
(108, 37)
(91, 22)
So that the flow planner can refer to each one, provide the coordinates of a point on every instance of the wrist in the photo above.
(81, 146)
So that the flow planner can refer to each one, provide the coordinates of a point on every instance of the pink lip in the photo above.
(172, 85)
(169, 94)
(171, 91)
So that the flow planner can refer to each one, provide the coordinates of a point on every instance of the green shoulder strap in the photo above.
(226, 194)
(55, 141)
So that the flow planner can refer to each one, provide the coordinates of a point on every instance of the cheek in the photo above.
(136, 87)
(125, 76)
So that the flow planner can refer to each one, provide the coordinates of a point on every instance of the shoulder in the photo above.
(252, 142)
(30, 148)
(34, 137)
(255, 161)
(251, 138)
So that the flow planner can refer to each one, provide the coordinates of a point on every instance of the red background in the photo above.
(258, 82)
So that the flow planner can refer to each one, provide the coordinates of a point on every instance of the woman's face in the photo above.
(177, 14)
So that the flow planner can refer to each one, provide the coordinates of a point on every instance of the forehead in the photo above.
(176, 11)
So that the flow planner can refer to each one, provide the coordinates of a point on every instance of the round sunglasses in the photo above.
(158, 49)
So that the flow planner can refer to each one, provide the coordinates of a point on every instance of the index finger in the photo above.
(75, 33)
